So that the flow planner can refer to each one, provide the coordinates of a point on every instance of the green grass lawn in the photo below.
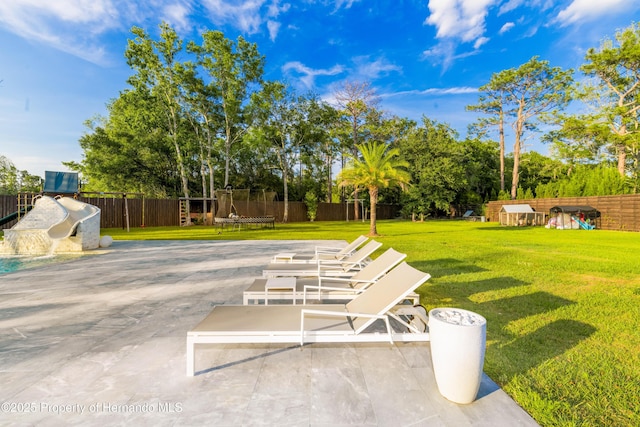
(562, 306)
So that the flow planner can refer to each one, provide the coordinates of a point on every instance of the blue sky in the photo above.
(61, 61)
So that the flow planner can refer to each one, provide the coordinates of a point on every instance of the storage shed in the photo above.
(520, 215)
(568, 217)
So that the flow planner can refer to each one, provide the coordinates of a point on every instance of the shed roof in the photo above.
(516, 208)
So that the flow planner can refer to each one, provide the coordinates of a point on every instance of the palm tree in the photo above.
(377, 168)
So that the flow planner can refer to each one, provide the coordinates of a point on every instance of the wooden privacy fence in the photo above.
(620, 212)
(140, 212)
(166, 212)
(298, 211)
(616, 212)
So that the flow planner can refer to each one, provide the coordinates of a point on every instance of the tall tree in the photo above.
(356, 100)
(530, 93)
(203, 113)
(617, 66)
(235, 69)
(437, 165)
(482, 177)
(579, 139)
(378, 166)
(326, 143)
(319, 149)
(158, 69)
(492, 103)
(285, 122)
(537, 169)
(130, 150)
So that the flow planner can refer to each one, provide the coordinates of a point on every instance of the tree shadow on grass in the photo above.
(458, 294)
(518, 354)
(506, 310)
(514, 355)
(543, 344)
(446, 267)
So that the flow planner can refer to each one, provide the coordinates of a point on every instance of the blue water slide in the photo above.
(584, 225)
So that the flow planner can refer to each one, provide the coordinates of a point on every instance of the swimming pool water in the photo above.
(11, 263)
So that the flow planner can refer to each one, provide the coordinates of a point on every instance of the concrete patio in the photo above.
(101, 341)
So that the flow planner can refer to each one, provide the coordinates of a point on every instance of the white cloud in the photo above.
(74, 11)
(445, 53)
(274, 28)
(344, 3)
(248, 15)
(370, 70)
(275, 9)
(506, 27)
(461, 90)
(531, 31)
(509, 6)
(77, 26)
(457, 21)
(29, 16)
(536, 5)
(479, 42)
(460, 19)
(245, 15)
(307, 74)
(66, 25)
(586, 10)
(177, 15)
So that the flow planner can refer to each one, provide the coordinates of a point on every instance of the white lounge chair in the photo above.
(330, 323)
(321, 252)
(348, 266)
(325, 287)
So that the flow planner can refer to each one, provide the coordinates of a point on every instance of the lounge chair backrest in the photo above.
(361, 254)
(351, 246)
(376, 268)
(381, 296)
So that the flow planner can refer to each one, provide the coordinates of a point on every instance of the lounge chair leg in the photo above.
(389, 331)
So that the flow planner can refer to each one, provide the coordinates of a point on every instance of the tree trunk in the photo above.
(501, 131)
(212, 188)
(356, 207)
(516, 168)
(227, 144)
(329, 180)
(183, 174)
(516, 151)
(285, 214)
(203, 174)
(622, 159)
(373, 195)
(285, 177)
(227, 161)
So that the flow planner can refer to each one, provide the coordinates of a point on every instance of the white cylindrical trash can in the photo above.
(458, 340)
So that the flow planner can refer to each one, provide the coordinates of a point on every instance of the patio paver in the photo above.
(101, 340)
